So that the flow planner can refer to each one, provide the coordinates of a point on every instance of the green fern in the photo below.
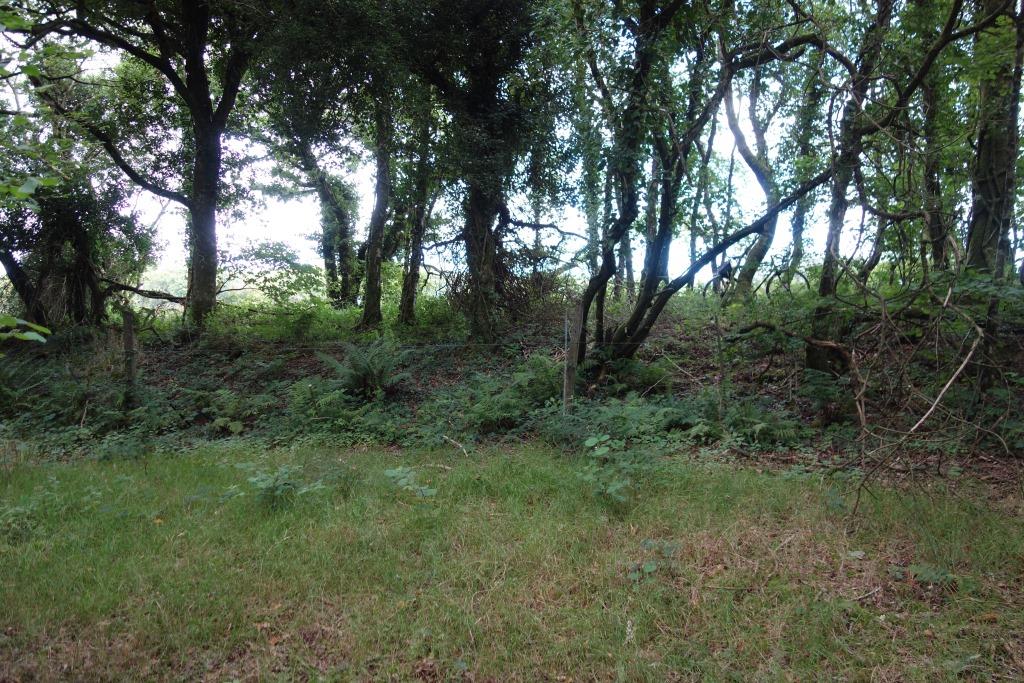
(368, 372)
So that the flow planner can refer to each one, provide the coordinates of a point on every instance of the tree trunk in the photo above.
(202, 286)
(757, 161)
(810, 110)
(820, 358)
(85, 280)
(626, 258)
(419, 220)
(652, 196)
(372, 316)
(935, 225)
(23, 287)
(875, 257)
(994, 178)
(336, 232)
(329, 252)
(478, 233)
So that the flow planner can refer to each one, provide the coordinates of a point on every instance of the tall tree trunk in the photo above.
(821, 358)
(418, 222)
(757, 160)
(372, 316)
(797, 224)
(620, 275)
(202, 285)
(652, 196)
(994, 173)
(85, 279)
(626, 258)
(934, 217)
(809, 112)
(875, 257)
(336, 231)
(329, 252)
(592, 187)
(479, 235)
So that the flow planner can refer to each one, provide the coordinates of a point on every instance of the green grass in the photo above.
(158, 569)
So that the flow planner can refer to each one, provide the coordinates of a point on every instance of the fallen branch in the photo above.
(456, 444)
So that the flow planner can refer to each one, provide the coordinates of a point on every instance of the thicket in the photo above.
(466, 306)
(719, 379)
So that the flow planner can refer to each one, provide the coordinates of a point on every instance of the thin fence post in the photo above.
(572, 337)
(130, 358)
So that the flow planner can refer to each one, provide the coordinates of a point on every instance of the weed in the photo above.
(278, 488)
(406, 479)
(612, 469)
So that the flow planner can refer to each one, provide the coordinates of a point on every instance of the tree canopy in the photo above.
(526, 138)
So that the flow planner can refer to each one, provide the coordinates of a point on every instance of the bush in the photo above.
(631, 374)
(502, 403)
(666, 422)
(613, 469)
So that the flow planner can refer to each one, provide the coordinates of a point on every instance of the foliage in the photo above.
(497, 404)
(407, 479)
(368, 372)
(271, 269)
(277, 488)
(613, 470)
(21, 330)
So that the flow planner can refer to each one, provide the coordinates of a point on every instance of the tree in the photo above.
(999, 53)
(202, 49)
(417, 190)
(476, 56)
(680, 123)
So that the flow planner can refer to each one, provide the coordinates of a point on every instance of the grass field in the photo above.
(427, 566)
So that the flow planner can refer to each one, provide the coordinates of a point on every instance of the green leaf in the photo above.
(32, 326)
(29, 186)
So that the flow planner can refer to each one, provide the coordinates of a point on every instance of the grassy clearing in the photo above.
(159, 569)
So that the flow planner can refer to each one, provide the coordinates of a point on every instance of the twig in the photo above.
(866, 595)
(456, 444)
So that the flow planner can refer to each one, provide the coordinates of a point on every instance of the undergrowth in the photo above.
(698, 384)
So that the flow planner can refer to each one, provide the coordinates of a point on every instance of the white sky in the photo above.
(294, 221)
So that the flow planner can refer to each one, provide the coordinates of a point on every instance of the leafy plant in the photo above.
(612, 470)
(503, 403)
(368, 372)
(278, 488)
(406, 479)
(21, 330)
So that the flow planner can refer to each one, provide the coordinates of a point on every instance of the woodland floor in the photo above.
(416, 565)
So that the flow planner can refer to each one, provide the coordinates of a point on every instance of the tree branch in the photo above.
(107, 142)
(147, 293)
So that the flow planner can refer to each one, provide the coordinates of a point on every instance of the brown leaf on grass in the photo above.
(426, 670)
